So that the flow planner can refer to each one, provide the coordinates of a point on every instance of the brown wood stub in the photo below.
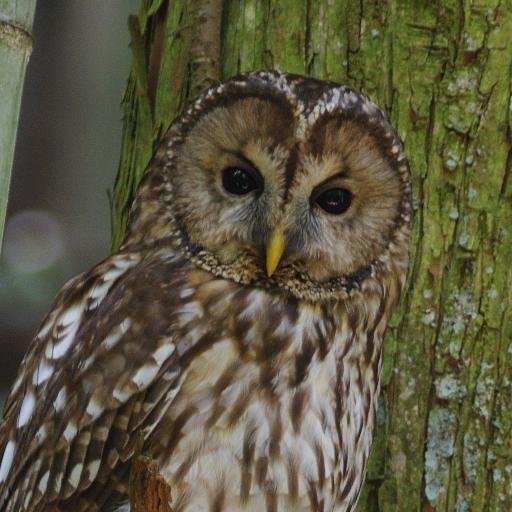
(149, 492)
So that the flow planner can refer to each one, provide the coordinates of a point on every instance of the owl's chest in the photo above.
(256, 424)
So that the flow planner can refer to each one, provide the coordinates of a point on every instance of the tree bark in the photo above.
(443, 72)
(16, 18)
(149, 492)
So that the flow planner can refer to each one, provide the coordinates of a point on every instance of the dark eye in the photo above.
(240, 181)
(334, 200)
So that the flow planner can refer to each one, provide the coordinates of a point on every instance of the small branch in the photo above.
(149, 492)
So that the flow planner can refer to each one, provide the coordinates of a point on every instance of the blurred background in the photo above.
(67, 152)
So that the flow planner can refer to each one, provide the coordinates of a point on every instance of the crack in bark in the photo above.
(205, 49)
(308, 59)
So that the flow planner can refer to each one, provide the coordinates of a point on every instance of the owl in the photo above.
(236, 336)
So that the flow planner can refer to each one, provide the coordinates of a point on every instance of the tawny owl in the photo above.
(236, 336)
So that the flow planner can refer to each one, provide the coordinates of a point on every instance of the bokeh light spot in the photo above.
(34, 241)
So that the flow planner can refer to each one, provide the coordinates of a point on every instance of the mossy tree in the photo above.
(442, 70)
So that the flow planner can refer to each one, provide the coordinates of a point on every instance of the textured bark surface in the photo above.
(443, 72)
(149, 492)
(16, 17)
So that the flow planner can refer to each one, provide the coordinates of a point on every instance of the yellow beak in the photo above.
(275, 249)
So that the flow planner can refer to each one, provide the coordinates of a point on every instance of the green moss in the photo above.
(442, 70)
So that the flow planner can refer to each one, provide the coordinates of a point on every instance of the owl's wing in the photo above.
(102, 368)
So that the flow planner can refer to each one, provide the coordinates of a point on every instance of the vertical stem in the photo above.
(16, 18)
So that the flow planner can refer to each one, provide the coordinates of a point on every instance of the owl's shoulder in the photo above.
(104, 342)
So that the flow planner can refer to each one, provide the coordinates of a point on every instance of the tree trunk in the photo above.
(16, 18)
(443, 72)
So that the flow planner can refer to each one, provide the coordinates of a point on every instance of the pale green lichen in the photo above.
(492, 294)
(457, 117)
(453, 214)
(463, 239)
(469, 160)
(462, 505)
(451, 164)
(463, 307)
(497, 475)
(454, 348)
(470, 457)
(429, 318)
(470, 43)
(449, 387)
(497, 424)
(484, 390)
(440, 443)
(464, 82)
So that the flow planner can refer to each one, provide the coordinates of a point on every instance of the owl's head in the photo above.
(273, 178)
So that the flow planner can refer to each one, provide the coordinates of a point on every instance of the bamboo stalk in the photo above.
(16, 17)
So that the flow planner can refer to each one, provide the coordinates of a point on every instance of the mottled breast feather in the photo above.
(281, 410)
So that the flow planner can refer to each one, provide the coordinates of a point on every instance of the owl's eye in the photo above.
(240, 181)
(334, 200)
